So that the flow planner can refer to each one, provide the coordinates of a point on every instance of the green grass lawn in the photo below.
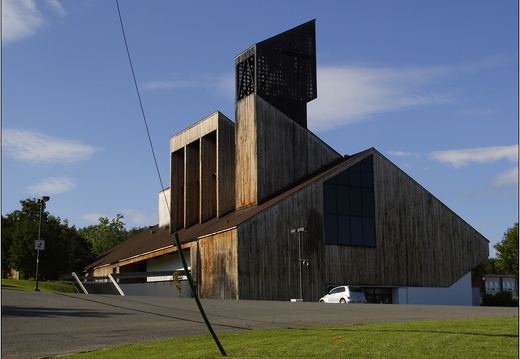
(469, 338)
(16, 284)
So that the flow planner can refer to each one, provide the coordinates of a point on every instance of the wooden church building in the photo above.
(265, 210)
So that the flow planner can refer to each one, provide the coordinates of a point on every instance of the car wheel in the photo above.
(342, 300)
(322, 301)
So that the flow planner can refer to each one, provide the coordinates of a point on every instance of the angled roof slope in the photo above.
(156, 239)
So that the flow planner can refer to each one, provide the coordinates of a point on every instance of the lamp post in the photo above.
(299, 231)
(39, 244)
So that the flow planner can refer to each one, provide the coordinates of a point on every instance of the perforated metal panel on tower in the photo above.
(282, 70)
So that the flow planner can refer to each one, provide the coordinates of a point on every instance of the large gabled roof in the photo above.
(157, 239)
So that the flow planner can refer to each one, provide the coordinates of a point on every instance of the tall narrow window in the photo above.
(349, 206)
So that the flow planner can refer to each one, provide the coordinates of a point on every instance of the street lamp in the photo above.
(300, 260)
(39, 244)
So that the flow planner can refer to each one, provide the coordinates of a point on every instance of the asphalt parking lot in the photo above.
(36, 324)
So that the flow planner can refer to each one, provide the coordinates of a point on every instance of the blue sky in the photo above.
(432, 85)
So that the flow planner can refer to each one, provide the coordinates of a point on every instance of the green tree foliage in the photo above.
(507, 252)
(135, 231)
(488, 266)
(65, 250)
(105, 235)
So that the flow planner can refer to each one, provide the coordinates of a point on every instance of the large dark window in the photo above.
(349, 206)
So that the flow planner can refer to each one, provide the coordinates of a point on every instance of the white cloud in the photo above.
(140, 218)
(22, 18)
(93, 217)
(402, 154)
(223, 84)
(506, 179)
(463, 157)
(57, 7)
(52, 185)
(348, 94)
(37, 148)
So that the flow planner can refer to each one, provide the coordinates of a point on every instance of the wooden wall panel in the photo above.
(269, 265)
(218, 266)
(196, 131)
(273, 151)
(420, 242)
(287, 152)
(226, 166)
(192, 184)
(281, 150)
(319, 153)
(208, 177)
(208, 182)
(246, 185)
(177, 190)
(268, 260)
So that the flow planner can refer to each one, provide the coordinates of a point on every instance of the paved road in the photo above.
(36, 324)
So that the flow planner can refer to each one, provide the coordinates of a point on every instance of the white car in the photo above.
(344, 294)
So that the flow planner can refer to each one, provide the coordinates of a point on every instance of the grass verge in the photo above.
(15, 284)
(468, 338)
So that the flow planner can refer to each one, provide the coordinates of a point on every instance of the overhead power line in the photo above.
(177, 241)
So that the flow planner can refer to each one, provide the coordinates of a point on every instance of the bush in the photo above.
(501, 299)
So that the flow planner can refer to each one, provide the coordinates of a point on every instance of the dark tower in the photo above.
(281, 70)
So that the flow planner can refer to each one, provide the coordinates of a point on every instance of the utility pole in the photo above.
(39, 244)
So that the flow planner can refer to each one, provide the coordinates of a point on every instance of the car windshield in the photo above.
(355, 289)
(337, 290)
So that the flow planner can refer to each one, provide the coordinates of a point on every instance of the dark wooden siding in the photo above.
(192, 184)
(208, 176)
(419, 242)
(225, 166)
(177, 189)
(271, 260)
(422, 242)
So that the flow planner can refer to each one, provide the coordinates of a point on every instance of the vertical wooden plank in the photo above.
(246, 185)
(177, 190)
(192, 183)
(421, 241)
(208, 176)
(225, 166)
(219, 262)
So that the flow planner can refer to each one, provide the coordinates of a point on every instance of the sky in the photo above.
(432, 85)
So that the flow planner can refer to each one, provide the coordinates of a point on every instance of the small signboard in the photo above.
(39, 245)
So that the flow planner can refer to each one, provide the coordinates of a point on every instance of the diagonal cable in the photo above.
(176, 236)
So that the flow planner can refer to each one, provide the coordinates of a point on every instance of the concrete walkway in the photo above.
(36, 324)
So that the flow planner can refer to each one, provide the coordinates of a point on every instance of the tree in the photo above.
(65, 251)
(106, 234)
(135, 231)
(507, 252)
(19, 231)
(7, 240)
(488, 266)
